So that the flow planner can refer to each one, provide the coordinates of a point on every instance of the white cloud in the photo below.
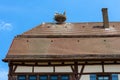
(4, 26)
(3, 74)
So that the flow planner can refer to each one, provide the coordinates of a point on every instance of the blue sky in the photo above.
(18, 16)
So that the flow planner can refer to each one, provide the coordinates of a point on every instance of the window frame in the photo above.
(64, 75)
(104, 75)
(32, 75)
(54, 75)
(21, 75)
(43, 75)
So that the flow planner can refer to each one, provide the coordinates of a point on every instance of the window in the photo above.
(103, 77)
(21, 77)
(54, 77)
(114, 76)
(32, 77)
(43, 77)
(64, 77)
(93, 77)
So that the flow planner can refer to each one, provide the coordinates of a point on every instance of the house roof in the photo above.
(67, 41)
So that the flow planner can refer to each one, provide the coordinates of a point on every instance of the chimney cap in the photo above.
(104, 9)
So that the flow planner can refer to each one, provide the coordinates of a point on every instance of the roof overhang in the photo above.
(83, 57)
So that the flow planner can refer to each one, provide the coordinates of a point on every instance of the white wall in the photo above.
(87, 68)
(93, 68)
(63, 69)
(112, 68)
(23, 69)
(43, 69)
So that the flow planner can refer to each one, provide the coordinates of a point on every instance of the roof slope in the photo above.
(74, 29)
(71, 40)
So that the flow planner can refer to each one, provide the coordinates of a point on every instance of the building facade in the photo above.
(67, 51)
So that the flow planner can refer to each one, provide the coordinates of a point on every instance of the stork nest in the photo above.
(60, 18)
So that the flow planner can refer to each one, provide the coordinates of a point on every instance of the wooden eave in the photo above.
(62, 57)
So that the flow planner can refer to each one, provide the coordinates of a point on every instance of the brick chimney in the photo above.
(105, 18)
